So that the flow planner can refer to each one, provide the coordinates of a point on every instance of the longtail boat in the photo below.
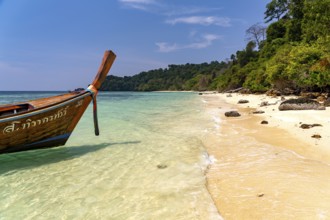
(49, 122)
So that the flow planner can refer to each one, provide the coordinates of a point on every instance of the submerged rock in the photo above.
(161, 166)
(260, 194)
(300, 104)
(232, 114)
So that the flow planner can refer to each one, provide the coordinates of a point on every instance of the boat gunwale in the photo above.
(45, 108)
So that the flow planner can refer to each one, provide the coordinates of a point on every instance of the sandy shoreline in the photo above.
(267, 171)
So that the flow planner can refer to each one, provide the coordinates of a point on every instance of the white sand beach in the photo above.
(268, 171)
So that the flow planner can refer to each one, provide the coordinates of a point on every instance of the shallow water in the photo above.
(148, 163)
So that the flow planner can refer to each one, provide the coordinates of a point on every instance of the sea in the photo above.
(149, 162)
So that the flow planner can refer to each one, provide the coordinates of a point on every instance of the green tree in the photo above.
(316, 21)
(276, 30)
(245, 56)
(276, 9)
(275, 68)
(294, 29)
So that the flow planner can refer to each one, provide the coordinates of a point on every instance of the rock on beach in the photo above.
(232, 114)
(300, 104)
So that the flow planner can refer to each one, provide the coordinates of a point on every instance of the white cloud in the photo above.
(137, 1)
(165, 9)
(205, 41)
(202, 20)
(186, 10)
(166, 47)
(138, 4)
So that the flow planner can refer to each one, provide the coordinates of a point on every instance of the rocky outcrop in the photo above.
(273, 93)
(232, 114)
(300, 104)
(310, 95)
(326, 103)
(245, 91)
(288, 91)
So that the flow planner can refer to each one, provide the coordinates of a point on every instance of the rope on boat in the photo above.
(96, 123)
(93, 93)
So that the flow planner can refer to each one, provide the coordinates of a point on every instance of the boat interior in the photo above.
(14, 109)
(7, 110)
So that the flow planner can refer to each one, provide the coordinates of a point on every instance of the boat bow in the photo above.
(102, 73)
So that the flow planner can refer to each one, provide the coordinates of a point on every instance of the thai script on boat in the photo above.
(29, 123)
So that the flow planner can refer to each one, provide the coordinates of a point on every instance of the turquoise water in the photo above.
(148, 163)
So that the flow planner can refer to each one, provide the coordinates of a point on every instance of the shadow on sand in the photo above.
(11, 163)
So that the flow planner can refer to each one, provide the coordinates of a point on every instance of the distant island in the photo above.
(291, 54)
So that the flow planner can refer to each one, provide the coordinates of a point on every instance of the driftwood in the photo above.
(266, 103)
(234, 90)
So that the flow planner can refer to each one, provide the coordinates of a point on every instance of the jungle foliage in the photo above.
(175, 77)
(292, 52)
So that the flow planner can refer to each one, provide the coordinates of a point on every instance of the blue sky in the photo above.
(58, 44)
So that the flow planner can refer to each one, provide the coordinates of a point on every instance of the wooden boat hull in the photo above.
(49, 122)
(45, 127)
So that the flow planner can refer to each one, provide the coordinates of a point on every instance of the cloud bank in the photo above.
(206, 41)
(201, 20)
(137, 4)
(186, 15)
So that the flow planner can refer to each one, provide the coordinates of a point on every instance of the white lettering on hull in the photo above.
(29, 123)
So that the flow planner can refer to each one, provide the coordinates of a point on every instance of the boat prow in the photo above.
(49, 122)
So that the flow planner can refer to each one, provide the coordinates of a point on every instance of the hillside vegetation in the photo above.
(292, 53)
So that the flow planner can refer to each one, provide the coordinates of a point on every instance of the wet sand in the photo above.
(273, 171)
